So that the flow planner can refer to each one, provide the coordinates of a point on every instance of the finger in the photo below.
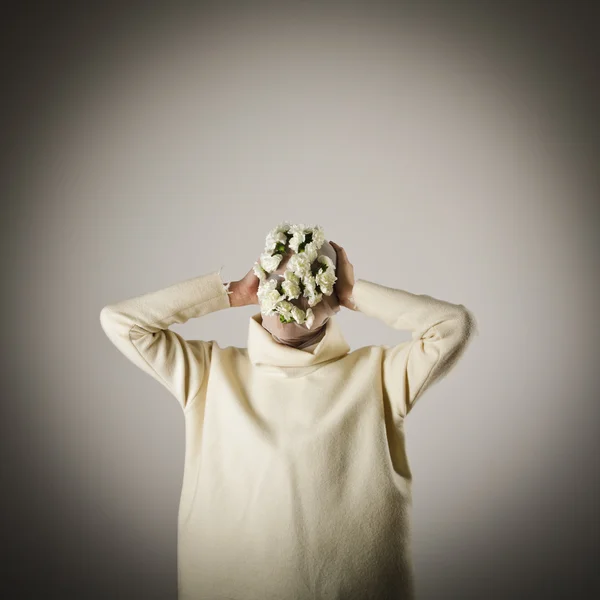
(340, 251)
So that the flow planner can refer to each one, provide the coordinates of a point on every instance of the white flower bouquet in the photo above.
(307, 273)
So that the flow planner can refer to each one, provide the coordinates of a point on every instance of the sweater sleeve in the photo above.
(139, 328)
(440, 333)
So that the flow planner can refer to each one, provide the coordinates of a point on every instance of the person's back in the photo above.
(296, 480)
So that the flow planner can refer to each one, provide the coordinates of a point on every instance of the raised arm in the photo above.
(139, 328)
(440, 333)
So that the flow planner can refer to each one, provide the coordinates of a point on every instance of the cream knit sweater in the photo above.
(296, 482)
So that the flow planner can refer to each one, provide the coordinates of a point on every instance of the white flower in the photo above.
(291, 289)
(259, 272)
(285, 308)
(324, 259)
(297, 278)
(310, 291)
(298, 236)
(311, 251)
(318, 237)
(298, 314)
(310, 317)
(325, 282)
(314, 299)
(270, 284)
(309, 285)
(270, 262)
(291, 276)
(299, 265)
(274, 238)
(270, 299)
(265, 288)
(325, 279)
(283, 226)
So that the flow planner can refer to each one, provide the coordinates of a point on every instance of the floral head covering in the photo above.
(297, 275)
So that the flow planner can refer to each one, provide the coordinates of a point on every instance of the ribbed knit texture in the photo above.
(296, 481)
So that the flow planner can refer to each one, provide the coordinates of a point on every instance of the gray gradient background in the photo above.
(450, 148)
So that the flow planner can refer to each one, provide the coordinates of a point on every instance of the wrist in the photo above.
(347, 301)
(350, 303)
(237, 297)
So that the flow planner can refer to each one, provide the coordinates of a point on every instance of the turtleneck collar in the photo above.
(264, 350)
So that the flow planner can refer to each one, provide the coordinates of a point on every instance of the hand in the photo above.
(245, 290)
(345, 277)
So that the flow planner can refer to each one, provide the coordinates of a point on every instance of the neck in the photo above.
(300, 344)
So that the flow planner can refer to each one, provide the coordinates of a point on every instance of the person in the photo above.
(296, 480)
